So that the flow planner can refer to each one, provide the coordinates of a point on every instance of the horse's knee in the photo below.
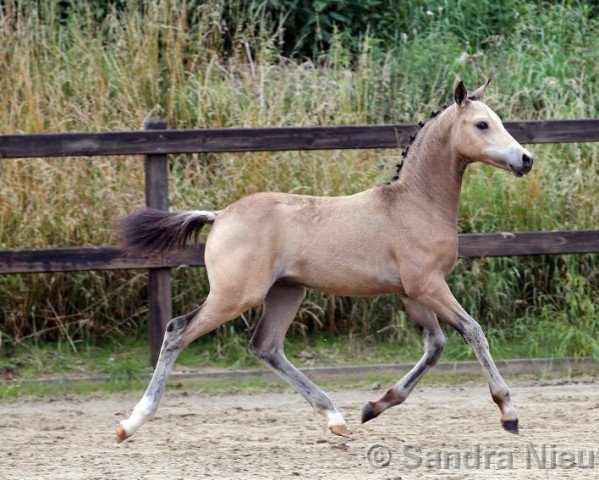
(472, 332)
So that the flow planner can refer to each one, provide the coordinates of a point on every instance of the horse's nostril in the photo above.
(526, 160)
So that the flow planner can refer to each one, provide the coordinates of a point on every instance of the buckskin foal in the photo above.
(401, 237)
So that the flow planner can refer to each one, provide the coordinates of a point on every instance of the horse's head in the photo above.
(479, 136)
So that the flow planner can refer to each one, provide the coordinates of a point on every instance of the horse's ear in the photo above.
(460, 94)
(479, 93)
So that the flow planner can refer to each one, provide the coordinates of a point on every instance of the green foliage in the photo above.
(97, 66)
(309, 27)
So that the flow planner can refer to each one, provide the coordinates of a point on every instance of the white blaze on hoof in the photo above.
(337, 424)
(128, 427)
(140, 415)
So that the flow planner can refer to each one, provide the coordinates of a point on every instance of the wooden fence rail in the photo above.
(155, 142)
(472, 245)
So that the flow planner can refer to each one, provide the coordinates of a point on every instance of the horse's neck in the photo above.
(431, 174)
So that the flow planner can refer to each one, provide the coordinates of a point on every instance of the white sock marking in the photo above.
(142, 412)
(334, 418)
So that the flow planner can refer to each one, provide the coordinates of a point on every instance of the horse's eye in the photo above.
(481, 125)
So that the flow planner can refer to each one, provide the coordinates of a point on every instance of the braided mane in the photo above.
(412, 137)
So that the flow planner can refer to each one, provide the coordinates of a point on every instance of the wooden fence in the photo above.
(156, 142)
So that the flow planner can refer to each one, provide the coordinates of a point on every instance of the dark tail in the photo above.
(150, 230)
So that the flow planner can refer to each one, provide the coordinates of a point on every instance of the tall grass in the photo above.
(165, 58)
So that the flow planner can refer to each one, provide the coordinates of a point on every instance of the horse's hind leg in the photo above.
(180, 331)
(280, 307)
(434, 343)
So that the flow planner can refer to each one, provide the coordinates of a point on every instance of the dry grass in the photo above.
(164, 59)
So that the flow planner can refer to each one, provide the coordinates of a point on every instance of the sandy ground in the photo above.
(276, 435)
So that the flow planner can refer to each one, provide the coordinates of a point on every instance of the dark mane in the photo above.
(412, 137)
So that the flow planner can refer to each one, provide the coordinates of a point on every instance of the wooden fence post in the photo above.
(160, 307)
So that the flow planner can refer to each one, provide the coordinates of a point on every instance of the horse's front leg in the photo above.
(434, 343)
(439, 298)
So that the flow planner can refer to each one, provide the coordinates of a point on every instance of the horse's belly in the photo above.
(346, 278)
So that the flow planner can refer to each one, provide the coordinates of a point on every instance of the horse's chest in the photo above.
(444, 252)
(438, 253)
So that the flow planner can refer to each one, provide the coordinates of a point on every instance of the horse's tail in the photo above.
(151, 230)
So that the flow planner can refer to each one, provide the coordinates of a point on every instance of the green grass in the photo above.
(127, 361)
(123, 366)
(16, 391)
(65, 391)
(88, 75)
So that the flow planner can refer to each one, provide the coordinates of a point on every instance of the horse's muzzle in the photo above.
(526, 166)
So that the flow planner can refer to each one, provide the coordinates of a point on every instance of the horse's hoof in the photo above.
(340, 430)
(121, 434)
(510, 426)
(368, 412)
